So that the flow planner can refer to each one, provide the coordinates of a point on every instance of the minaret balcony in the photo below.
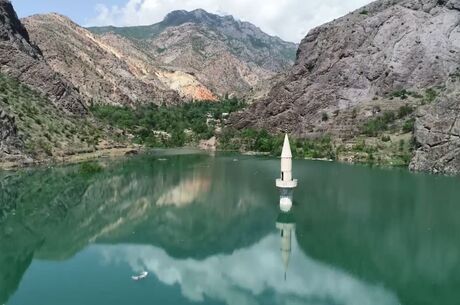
(286, 184)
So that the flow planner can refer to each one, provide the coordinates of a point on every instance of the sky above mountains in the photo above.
(288, 19)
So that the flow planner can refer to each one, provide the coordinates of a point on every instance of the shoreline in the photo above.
(120, 152)
(116, 152)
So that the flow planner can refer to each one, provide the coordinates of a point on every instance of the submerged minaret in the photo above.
(286, 184)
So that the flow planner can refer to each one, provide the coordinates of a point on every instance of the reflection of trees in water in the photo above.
(58, 211)
(386, 227)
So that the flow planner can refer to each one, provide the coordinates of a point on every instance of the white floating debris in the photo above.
(141, 276)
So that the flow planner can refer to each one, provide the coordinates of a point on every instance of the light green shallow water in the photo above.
(205, 228)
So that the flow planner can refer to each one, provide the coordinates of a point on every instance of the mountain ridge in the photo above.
(197, 41)
(173, 18)
(109, 70)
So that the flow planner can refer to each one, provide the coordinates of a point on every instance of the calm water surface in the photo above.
(206, 229)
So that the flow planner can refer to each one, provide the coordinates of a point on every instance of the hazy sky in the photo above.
(288, 19)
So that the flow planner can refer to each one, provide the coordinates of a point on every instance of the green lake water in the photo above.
(205, 228)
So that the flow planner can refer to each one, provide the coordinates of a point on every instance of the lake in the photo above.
(207, 229)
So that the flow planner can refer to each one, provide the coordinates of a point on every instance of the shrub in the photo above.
(430, 95)
(90, 168)
(373, 127)
(386, 138)
(402, 143)
(409, 125)
(402, 94)
(324, 116)
(405, 111)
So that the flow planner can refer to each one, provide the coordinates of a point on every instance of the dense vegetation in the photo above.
(159, 126)
(162, 126)
(387, 122)
(262, 141)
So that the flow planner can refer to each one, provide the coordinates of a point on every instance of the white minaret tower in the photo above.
(286, 184)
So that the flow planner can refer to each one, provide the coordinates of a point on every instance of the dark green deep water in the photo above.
(204, 227)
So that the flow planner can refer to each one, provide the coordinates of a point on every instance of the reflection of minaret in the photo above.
(285, 223)
(286, 184)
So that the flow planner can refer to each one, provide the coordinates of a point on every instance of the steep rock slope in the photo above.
(109, 69)
(37, 105)
(9, 141)
(358, 61)
(383, 47)
(437, 131)
(22, 60)
(226, 55)
(33, 128)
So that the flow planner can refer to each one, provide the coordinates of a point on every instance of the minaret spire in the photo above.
(286, 153)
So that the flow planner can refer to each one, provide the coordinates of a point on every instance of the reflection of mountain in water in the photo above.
(386, 227)
(53, 214)
(381, 237)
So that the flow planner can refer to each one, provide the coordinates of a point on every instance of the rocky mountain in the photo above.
(375, 60)
(108, 69)
(22, 60)
(38, 107)
(226, 55)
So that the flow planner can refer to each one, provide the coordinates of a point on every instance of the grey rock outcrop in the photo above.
(9, 141)
(383, 47)
(437, 132)
(23, 61)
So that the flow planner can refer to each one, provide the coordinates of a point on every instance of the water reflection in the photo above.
(181, 203)
(250, 276)
(210, 228)
(286, 224)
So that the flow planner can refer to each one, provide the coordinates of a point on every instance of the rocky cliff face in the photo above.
(358, 61)
(383, 47)
(109, 69)
(437, 131)
(9, 141)
(226, 55)
(22, 60)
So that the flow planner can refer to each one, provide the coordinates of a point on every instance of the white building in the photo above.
(285, 183)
